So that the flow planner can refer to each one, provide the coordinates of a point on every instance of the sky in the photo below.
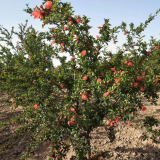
(12, 14)
(136, 11)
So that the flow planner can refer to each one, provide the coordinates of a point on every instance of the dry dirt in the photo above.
(128, 144)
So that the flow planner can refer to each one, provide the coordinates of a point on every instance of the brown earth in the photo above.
(128, 144)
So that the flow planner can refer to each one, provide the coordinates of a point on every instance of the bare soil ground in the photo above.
(128, 144)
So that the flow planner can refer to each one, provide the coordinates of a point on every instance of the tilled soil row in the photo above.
(128, 144)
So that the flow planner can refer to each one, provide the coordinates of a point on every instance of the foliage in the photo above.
(63, 105)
